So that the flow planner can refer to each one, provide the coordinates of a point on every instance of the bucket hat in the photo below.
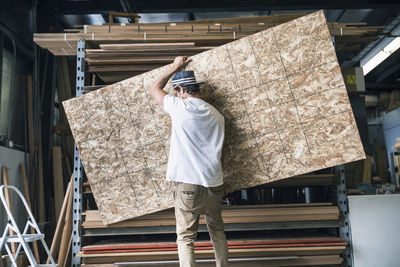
(184, 78)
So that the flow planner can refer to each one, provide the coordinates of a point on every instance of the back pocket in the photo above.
(189, 196)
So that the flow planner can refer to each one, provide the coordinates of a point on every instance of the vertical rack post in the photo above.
(77, 199)
(344, 231)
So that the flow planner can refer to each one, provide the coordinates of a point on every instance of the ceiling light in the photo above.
(381, 55)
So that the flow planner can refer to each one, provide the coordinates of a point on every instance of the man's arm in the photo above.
(156, 90)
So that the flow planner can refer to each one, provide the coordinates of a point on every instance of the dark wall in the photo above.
(16, 15)
(16, 28)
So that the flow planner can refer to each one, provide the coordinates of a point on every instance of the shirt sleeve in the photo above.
(170, 104)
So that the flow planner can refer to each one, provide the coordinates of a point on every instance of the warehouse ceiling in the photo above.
(375, 13)
(154, 6)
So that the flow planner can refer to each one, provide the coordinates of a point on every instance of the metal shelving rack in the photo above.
(344, 230)
(78, 169)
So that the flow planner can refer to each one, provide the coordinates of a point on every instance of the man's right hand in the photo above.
(180, 62)
(156, 90)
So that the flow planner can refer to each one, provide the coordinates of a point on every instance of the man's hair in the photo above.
(190, 89)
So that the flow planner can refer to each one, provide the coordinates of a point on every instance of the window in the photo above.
(6, 95)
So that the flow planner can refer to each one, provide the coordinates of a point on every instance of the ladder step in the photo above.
(27, 238)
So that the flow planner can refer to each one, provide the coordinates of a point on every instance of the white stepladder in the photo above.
(24, 238)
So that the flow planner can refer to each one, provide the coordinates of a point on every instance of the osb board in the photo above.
(284, 100)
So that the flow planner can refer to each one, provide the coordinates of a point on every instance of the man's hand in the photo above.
(180, 62)
(156, 90)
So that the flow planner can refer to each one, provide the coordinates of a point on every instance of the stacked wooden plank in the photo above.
(203, 33)
(290, 249)
(325, 260)
(120, 51)
(115, 62)
(230, 214)
(139, 54)
(150, 247)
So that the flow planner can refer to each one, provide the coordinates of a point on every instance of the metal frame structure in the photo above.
(344, 231)
(78, 169)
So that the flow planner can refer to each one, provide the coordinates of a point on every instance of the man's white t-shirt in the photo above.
(196, 141)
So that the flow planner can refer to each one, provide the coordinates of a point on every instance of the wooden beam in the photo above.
(67, 231)
(31, 133)
(231, 214)
(55, 244)
(67, 259)
(42, 207)
(324, 260)
(112, 68)
(58, 181)
(144, 47)
(164, 255)
(147, 52)
(132, 61)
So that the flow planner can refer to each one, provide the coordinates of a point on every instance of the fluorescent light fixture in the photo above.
(96, 19)
(389, 49)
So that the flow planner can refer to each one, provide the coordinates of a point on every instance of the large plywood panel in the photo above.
(283, 98)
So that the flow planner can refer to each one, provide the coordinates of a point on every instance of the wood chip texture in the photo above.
(285, 105)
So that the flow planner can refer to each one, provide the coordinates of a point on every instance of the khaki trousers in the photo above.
(190, 202)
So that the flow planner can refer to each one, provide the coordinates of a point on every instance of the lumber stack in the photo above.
(292, 250)
(329, 260)
(203, 33)
(115, 62)
(230, 214)
(119, 51)
(128, 55)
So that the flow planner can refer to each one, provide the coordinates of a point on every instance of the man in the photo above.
(194, 163)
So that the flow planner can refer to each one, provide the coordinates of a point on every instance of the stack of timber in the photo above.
(259, 249)
(119, 51)
(296, 250)
(115, 62)
(203, 33)
(236, 218)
